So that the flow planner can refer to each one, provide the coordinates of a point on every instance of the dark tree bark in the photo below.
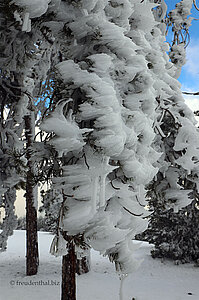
(68, 288)
(83, 265)
(32, 255)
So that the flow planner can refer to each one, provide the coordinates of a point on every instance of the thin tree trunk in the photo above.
(32, 255)
(68, 288)
(83, 265)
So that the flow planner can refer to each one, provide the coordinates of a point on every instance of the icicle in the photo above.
(95, 183)
(103, 184)
(102, 190)
(61, 224)
(54, 245)
(58, 246)
(26, 23)
(122, 278)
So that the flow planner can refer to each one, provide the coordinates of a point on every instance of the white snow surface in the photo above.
(154, 280)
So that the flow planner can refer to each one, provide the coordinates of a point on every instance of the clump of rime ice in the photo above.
(103, 192)
(31, 9)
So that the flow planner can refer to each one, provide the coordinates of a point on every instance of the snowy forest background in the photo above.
(92, 113)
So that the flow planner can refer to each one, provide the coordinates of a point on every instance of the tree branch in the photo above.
(194, 2)
(191, 93)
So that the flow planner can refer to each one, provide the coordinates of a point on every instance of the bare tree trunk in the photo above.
(83, 265)
(68, 288)
(32, 255)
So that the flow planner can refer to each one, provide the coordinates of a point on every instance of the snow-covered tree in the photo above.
(175, 185)
(21, 72)
(102, 129)
(12, 164)
(175, 235)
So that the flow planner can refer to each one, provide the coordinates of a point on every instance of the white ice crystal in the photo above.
(68, 136)
(35, 8)
(31, 9)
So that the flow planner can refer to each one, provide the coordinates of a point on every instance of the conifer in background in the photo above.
(175, 186)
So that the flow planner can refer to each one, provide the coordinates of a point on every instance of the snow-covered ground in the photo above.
(154, 280)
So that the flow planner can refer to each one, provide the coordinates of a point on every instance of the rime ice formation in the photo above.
(31, 9)
(112, 93)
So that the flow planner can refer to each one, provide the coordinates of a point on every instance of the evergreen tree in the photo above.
(11, 161)
(12, 168)
(175, 185)
(20, 75)
(102, 132)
